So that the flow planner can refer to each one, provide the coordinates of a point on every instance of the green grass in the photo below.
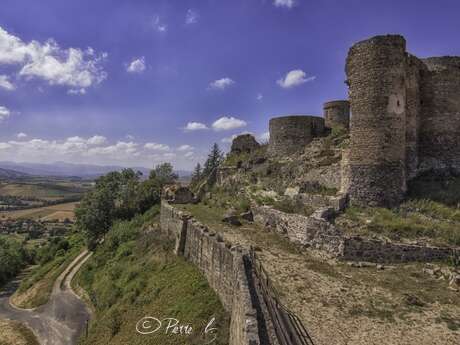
(406, 222)
(36, 288)
(431, 212)
(134, 274)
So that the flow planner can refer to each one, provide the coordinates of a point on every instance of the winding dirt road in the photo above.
(60, 321)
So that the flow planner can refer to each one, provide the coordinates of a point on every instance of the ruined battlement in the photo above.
(290, 134)
(337, 113)
(406, 118)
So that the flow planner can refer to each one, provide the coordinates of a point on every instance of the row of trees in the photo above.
(120, 196)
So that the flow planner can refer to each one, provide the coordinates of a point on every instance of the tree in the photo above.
(215, 158)
(120, 195)
(196, 175)
(164, 174)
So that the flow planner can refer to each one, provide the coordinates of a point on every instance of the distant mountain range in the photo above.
(11, 174)
(62, 169)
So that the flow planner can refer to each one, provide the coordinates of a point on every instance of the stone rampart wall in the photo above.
(223, 266)
(317, 232)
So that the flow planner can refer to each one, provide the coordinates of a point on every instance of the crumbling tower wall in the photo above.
(376, 70)
(290, 134)
(337, 113)
(415, 69)
(440, 114)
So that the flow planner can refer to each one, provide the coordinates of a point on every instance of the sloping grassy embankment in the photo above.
(134, 274)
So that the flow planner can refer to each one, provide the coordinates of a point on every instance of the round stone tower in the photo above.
(376, 77)
(439, 143)
(290, 134)
(337, 113)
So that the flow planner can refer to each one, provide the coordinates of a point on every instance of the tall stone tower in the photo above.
(376, 70)
(337, 113)
(440, 114)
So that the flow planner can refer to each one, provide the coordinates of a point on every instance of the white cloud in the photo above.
(21, 135)
(129, 137)
(260, 97)
(185, 148)
(264, 137)
(156, 147)
(4, 113)
(5, 146)
(227, 123)
(5, 83)
(195, 126)
(72, 67)
(97, 140)
(158, 25)
(81, 91)
(294, 78)
(284, 3)
(191, 17)
(221, 84)
(137, 65)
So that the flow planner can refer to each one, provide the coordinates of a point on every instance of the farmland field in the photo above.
(58, 212)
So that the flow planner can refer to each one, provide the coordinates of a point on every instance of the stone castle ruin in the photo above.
(405, 120)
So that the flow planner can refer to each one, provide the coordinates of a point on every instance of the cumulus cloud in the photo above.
(195, 126)
(136, 66)
(221, 84)
(260, 97)
(97, 140)
(72, 67)
(5, 83)
(284, 3)
(294, 78)
(226, 123)
(191, 17)
(21, 135)
(4, 113)
(158, 25)
(185, 148)
(156, 147)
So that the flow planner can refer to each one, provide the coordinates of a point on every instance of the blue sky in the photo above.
(120, 82)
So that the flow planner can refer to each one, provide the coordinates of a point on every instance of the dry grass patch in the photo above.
(15, 333)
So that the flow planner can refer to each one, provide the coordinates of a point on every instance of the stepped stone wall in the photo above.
(223, 266)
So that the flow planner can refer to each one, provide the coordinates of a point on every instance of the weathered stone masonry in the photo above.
(405, 118)
(223, 267)
(318, 233)
(290, 134)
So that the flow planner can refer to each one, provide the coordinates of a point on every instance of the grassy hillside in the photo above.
(53, 258)
(134, 274)
(15, 333)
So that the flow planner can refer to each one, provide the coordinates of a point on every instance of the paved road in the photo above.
(62, 319)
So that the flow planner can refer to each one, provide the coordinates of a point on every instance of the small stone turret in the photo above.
(290, 134)
(244, 143)
(337, 113)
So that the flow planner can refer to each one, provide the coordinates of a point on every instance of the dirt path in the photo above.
(62, 319)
